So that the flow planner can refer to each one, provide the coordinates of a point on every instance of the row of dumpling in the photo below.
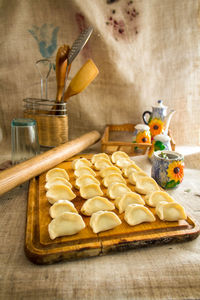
(97, 207)
(132, 203)
(66, 220)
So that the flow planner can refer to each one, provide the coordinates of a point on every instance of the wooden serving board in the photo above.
(40, 249)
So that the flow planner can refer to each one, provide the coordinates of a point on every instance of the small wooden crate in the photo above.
(126, 132)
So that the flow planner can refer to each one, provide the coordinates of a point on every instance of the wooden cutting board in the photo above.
(40, 249)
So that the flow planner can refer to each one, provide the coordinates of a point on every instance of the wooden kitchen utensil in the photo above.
(61, 65)
(82, 79)
(24, 171)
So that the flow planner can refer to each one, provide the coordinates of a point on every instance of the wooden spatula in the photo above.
(61, 65)
(82, 79)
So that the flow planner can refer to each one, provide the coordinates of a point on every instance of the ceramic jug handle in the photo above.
(144, 118)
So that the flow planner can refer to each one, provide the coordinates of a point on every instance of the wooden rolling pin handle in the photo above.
(28, 169)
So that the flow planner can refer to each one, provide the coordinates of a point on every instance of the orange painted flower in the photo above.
(143, 137)
(175, 171)
(156, 126)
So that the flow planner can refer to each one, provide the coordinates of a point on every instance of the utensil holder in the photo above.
(51, 118)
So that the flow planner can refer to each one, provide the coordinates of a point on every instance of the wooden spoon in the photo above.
(61, 66)
(82, 79)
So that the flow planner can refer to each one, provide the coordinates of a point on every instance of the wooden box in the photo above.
(119, 138)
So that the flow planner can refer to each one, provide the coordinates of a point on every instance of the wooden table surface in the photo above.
(170, 271)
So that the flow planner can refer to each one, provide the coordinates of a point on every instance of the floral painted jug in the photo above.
(159, 142)
(159, 119)
(167, 168)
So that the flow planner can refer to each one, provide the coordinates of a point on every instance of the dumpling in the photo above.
(102, 163)
(59, 192)
(170, 211)
(123, 162)
(98, 156)
(154, 198)
(61, 206)
(136, 214)
(95, 204)
(56, 181)
(90, 190)
(118, 155)
(56, 172)
(104, 220)
(130, 169)
(146, 185)
(110, 170)
(68, 223)
(80, 162)
(84, 171)
(117, 190)
(134, 176)
(115, 177)
(129, 198)
(85, 180)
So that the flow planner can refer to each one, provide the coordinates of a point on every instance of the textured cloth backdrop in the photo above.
(145, 50)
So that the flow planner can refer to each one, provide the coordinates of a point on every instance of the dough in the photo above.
(117, 190)
(136, 214)
(154, 198)
(119, 155)
(80, 162)
(170, 211)
(85, 180)
(129, 198)
(68, 223)
(130, 168)
(98, 156)
(104, 220)
(56, 181)
(90, 190)
(113, 178)
(95, 204)
(57, 172)
(59, 192)
(84, 171)
(110, 170)
(102, 163)
(61, 206)
(146, 185)
(134, 176)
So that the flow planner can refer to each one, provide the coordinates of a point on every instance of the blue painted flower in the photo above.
(46, 37)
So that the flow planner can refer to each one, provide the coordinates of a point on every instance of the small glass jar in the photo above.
(24, 140)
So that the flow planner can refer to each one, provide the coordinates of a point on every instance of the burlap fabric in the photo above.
(145, 50)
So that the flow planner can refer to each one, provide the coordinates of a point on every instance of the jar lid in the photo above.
(23, 122)
(162, 138)
(142, 127)
(160, 104)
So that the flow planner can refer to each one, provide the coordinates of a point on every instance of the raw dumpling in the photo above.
(124, 162)
(104, 220)
(154, 198)
(170, 211)
(110, 170)
(90, 190)
(102, 163)
(57, 172)
(80, 162)
(129, 169)
(84, 171)
(146, 185)
(134, 176)
(117, 190)
(85, 180)
(118, 155)
(68, 223)
(61, 206)
(56, 181)
(136, 214)
(59, 192)
(129, 198)
(115, 177)
(95, 204)
(98, 156)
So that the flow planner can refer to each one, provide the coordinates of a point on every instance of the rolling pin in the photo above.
(28, 169)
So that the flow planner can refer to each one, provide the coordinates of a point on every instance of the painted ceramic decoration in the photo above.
(167, 168)
(142, 134)
(159, 142)
(158, 120)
